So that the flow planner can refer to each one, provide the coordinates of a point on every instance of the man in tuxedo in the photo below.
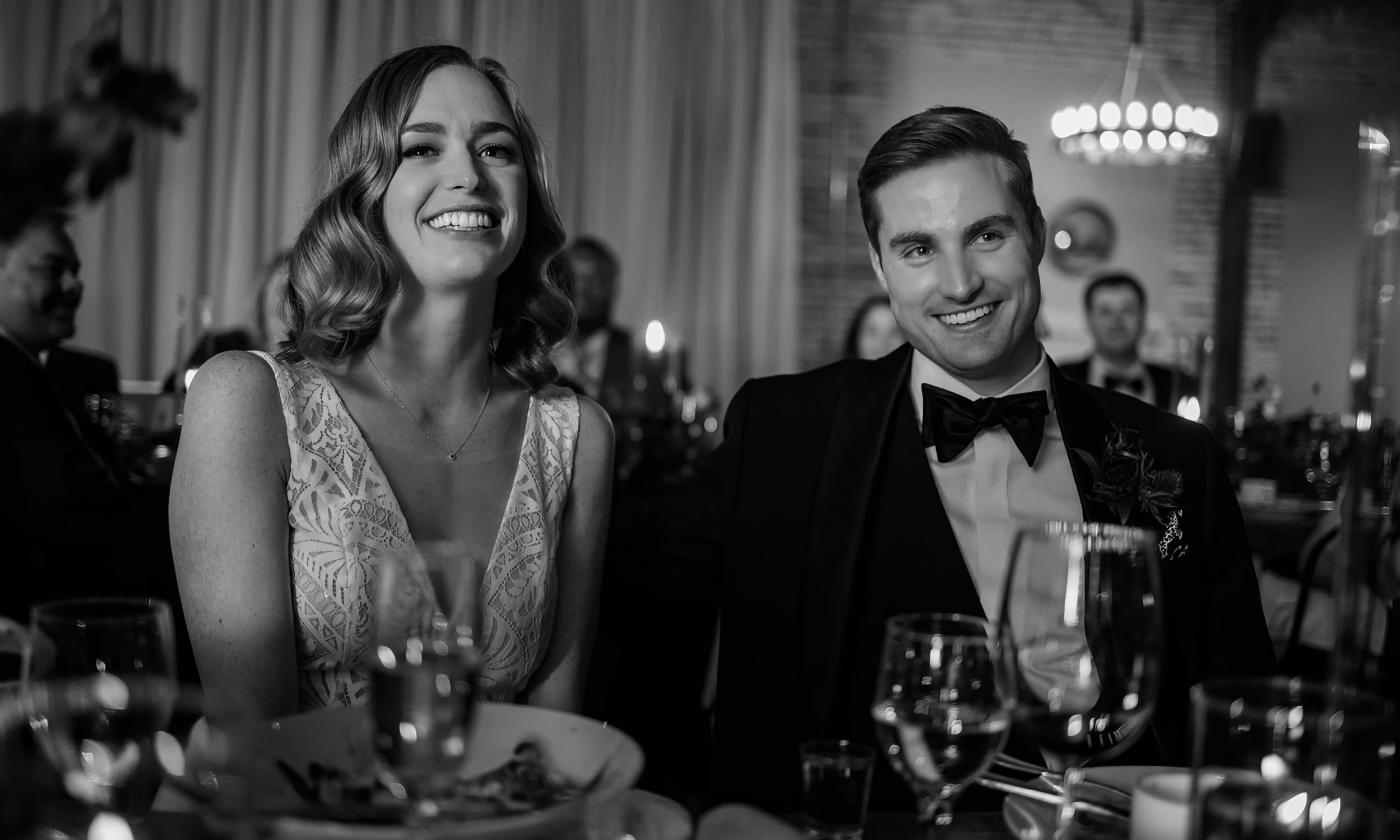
(1115, 307)
(863, 489)
(597, 359)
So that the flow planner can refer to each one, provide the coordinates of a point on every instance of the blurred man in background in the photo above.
(597, 359)
(1115, 306)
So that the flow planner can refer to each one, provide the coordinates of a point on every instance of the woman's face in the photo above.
(455, 208)
(878, 334)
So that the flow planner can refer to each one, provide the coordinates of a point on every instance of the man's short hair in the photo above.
(1114, 280)
(939, 134)
(598, 250)
(55, 218)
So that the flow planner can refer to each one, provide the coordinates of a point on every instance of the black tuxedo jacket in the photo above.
(1168, 384)
(818, 517)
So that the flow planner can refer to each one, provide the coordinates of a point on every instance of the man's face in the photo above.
(39, 287)
(959, 263)
(593, 286)
(1115, 320)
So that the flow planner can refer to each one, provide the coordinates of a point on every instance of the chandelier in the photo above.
(1143, 127)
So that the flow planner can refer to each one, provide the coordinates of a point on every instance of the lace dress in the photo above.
(343, 513)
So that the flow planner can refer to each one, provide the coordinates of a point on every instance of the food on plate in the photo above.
(526, 783)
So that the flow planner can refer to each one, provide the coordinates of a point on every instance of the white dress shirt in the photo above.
(989, 490)
(1100, 369)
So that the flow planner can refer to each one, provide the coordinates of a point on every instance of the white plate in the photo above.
(1031, 820)
(579, 747)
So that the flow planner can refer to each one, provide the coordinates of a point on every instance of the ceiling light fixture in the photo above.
(1142, 127)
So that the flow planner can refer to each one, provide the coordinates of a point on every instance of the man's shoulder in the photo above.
(1075, 368)
(1157, 427)
(827, 380)
(82, 359)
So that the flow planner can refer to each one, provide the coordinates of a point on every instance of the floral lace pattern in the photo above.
(343, 514)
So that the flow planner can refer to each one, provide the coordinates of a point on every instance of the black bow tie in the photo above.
(951, 421)
(1132, 383)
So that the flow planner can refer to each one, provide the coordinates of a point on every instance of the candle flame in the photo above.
(655, 336)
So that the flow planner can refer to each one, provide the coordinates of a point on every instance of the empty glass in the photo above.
(1284, 758)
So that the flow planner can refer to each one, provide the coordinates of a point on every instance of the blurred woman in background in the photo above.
(873, 332)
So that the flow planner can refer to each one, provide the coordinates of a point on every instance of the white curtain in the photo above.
(672, 124)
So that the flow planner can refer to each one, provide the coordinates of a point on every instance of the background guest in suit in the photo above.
(72, 528)
(837, 499)
(597, 359)
(1115, 305)
(873, 331)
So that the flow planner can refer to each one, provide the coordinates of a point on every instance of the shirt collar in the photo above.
(1099, 367)
(5, 335)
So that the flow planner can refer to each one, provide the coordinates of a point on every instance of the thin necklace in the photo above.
(451, 456)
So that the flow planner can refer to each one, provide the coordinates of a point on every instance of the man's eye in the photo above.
(989, 236)
(918, 252)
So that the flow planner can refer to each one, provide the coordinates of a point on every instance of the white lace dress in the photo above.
(343, 513)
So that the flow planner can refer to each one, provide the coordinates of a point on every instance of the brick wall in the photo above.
(849, 51)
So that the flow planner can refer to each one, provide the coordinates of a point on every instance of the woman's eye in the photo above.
(497, 150)
(420, 150)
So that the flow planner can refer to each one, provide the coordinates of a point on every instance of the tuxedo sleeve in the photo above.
(1235, 641)
(666, 649)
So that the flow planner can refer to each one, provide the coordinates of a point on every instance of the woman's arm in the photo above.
(228, 531)
(559, 682)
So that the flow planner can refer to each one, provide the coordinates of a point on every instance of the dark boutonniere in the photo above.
(1125, 479)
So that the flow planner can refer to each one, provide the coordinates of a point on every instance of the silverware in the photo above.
(1016, 787)
(1054, 778)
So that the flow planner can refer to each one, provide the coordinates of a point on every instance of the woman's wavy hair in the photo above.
(342, 270)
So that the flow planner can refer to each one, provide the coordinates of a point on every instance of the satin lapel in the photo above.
(1085, 427)
(849, 465)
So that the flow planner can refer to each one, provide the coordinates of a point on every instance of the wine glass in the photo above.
(1080, 634)
(939, 713)
(99, 677)
(423, 670)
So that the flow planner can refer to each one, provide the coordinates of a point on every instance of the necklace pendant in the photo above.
(452, 456)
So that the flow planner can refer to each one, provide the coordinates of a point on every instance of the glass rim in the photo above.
(843, 747)
(902, 623)
(77, 608)
(1265, 699)
(1107, 530)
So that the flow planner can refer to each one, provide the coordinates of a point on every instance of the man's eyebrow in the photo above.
(911, 237)
(1000, 221)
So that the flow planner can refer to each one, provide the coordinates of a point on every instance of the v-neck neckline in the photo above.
(392, 499)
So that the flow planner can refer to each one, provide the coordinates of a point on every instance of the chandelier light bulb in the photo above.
(1185, 118)
(1109, 140)
(1161, 116)
(1065, 123)
(1132, 140)
(1088, 142)
(1088, 117)
(1109, 115)
(1206, 123)
(1156, 140)
(1136, 114)
(1177, 141)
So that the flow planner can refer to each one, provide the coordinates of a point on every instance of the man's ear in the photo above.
(879, 266)
(1038, 236)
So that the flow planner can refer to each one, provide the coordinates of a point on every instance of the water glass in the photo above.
(424, 666)
(939, 711)
(1285, 758)
(99, 676)
(836, 778)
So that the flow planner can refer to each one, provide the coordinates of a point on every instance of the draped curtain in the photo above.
(672, 125)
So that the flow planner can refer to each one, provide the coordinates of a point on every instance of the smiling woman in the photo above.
(411, 403)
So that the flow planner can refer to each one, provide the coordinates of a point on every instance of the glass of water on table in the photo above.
(424, 664)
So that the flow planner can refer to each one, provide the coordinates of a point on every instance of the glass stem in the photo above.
(936, 816)
(1064, 823)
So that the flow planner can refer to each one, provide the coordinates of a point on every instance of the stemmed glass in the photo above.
(1080, 633)
(939, 713)
(99, 677)
(424, 666)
